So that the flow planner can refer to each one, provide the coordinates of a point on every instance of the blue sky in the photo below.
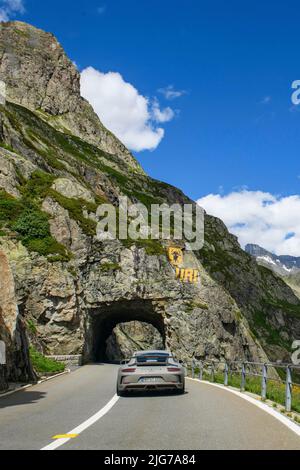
(234, 130)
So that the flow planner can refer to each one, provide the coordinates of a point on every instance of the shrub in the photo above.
(10, 207)
(32, 223)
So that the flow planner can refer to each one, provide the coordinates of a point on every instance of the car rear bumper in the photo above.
(150, 386)
(144, 387)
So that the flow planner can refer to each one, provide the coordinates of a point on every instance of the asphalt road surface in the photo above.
(205, 417)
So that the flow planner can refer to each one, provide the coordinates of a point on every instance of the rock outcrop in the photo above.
(12, 330)
(57, 165)
(33, 67)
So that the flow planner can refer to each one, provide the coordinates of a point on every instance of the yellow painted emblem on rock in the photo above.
(188, 275)
(175, 255)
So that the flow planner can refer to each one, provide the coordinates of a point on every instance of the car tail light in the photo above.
(129, 370)
(174, 369)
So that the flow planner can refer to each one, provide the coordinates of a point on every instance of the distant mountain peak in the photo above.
(280, 264)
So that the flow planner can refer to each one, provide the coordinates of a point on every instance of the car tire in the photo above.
(120, 393)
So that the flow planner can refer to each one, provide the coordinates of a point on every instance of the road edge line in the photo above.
(24, 387)
(83, 426)
(283, 419)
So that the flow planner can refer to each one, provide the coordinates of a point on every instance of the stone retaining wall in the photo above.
(74, 360)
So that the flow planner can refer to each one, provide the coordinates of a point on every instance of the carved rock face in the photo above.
(81, 311)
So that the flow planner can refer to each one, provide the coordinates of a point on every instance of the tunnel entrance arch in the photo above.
(104, 319)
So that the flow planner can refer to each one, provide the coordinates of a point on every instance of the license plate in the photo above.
(149, 379)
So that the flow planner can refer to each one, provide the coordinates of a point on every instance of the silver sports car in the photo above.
(151, 370)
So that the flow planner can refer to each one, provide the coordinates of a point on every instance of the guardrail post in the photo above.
(288, 389)
(243, 377)
(226, 375)
(264, 381)
(212, 372)
(200, 370)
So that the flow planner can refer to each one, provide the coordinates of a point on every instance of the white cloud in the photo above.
(170, 93)
(268, 220)
(9, 8)
(125, 112)
(162, 115)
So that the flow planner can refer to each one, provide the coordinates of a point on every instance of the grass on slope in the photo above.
(55, 148)
(42, 364)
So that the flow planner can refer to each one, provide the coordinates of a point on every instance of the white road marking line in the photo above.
(283, 419)
(86, 424)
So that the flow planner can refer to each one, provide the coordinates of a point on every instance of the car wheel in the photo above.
(120, 393)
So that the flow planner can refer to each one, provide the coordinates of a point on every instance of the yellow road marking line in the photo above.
(65, 436)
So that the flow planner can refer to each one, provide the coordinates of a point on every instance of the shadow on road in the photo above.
(154, 393)
(101, 363)
(22, 398)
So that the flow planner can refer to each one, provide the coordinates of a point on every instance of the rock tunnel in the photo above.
(103, 336)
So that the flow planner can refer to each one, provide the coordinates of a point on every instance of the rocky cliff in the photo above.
(12, 330)
(34, 67)
(70, 290)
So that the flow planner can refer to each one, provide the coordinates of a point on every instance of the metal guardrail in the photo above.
(248, 369)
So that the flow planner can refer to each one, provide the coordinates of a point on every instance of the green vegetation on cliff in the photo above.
(44, 365)
(31, 224)
(58, 149)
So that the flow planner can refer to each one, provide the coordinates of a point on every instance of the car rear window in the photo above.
(152, 358)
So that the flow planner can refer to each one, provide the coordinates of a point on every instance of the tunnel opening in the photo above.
(132, 336)
(121, 319)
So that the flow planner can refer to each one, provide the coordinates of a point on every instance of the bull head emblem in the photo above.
(175, 256)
